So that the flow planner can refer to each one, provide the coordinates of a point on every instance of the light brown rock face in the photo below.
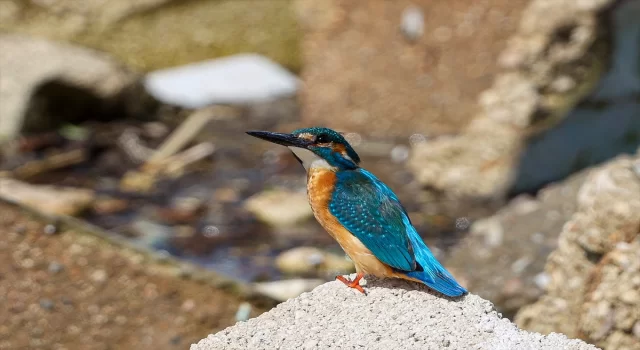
(153, 34)
(554, 59)
(515, 242)
(595, 272)
(44, 82)
(375, 67)
(47, 199)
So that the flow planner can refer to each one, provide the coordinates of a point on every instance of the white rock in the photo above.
(287, 289)
(412, 23)
(393, 315)
(237, 79)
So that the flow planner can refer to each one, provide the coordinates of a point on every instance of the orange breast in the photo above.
(320, 184)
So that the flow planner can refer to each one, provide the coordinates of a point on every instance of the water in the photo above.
(217, 232)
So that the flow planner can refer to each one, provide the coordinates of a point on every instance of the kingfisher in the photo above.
(361, 212)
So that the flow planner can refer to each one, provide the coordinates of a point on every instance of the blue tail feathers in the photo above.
(437, 278)
(433, 274)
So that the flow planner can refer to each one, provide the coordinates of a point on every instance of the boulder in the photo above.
(512, 246)
(593, 274)
(45, 84)
(554, 59)
(393, 315)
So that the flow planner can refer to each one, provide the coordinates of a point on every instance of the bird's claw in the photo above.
(355, 284)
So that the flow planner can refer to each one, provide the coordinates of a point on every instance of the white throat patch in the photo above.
(309, 159)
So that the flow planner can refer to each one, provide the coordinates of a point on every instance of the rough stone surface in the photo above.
(553, 60)
(593, 274)
(395, 68)
(154, 34)
(516, 241)
(394, 315)
(44, 81)
(611, 313)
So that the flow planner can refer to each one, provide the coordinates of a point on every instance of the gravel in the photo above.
(394, 315)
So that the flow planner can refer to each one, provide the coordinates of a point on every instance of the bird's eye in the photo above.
(322, 138)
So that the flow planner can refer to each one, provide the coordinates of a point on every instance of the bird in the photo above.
(361, 212)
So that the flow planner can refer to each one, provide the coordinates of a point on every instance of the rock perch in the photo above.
(394, 315)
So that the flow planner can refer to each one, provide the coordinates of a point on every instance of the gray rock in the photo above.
(394, 315)
(238, 79)
(46, 304)
(55, 267)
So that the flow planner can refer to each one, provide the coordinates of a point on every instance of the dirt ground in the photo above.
(65, 290)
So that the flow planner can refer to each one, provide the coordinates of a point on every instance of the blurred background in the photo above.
(135, 211)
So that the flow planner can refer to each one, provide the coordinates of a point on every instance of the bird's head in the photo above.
(315, 147)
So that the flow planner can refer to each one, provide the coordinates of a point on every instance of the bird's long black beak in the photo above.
(281, 139)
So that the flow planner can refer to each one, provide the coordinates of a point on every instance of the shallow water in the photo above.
(221, 234)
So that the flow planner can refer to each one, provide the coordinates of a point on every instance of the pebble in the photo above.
(99, 276)
(412, 23)
(55, 267)
(46, 304)
(636, 329)
(244, 312)
(542, 280)
(631, 296)
(463, 223)
(400, 153)
(50, 229)
(176, 340)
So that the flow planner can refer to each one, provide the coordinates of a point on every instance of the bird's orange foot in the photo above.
(355, 284)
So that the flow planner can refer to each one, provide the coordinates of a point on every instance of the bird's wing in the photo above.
(371, 211)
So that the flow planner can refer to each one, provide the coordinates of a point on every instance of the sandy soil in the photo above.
(71, 291)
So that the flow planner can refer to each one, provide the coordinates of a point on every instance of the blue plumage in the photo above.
(367, 209)
(372, 212)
